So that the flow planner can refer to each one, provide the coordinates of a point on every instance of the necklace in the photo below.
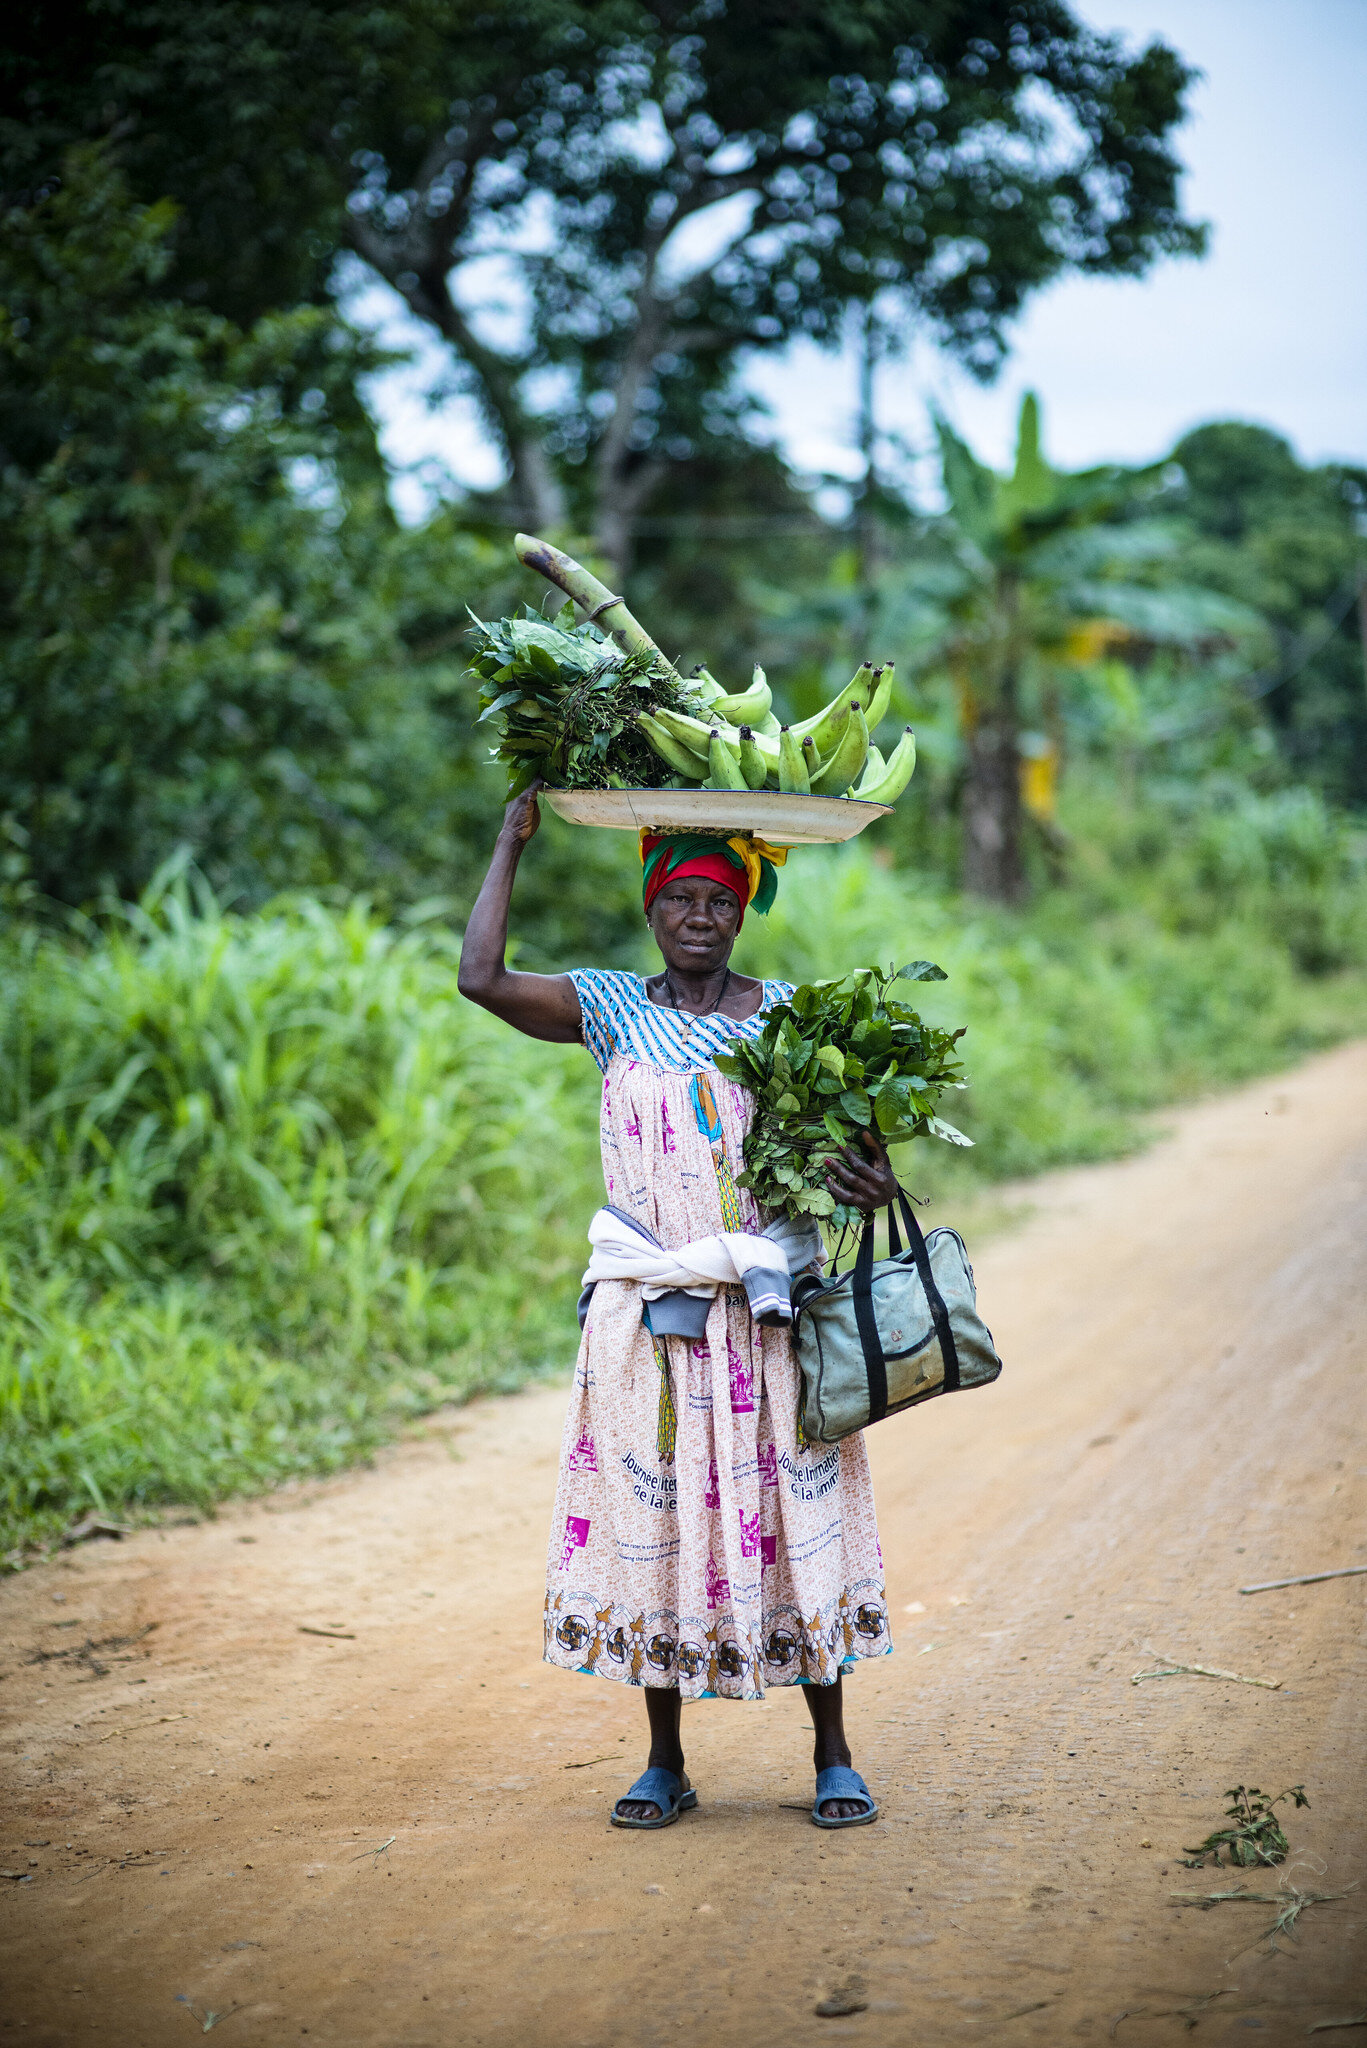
(674, 1000)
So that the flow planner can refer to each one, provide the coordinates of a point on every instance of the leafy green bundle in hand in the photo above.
(565, 701)
(841, 1056)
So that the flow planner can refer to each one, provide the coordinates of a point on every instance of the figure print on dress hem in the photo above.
(666, 1129)
(712, 1497)
(742, 1381)
(584, 1456)
(576, 1536)
(767, 1460)
(749, 1533)
(718, 1588)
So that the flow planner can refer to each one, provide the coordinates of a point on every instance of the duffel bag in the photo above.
(882, 1336)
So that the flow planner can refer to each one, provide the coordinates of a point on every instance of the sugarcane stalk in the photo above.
(592, 596)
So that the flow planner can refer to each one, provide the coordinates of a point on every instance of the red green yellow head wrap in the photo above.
(748, 867)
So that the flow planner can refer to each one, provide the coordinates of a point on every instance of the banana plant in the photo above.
(1057, 571)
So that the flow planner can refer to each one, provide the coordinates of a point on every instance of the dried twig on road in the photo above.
(1190, 2014)
(1168, 1667)
(84, 1653)
(1289, 1899)
(373, 1852)
(1235, 1897)
(589, 1762)
(134, 1726)
(336, 1635)
(1295, 1904)
(93, 1525)
(1327, 2026)
(207, 2020)
(1348, 1571)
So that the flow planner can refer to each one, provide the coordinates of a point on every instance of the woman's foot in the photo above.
(663, 1710)
(838, 1809)
(826, 1705)
(646, 1809)
(843, 1800)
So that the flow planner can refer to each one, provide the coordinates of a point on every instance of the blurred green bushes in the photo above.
(268, 1187)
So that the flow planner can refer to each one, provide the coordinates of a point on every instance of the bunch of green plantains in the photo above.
(598, 706)
(839, 1057)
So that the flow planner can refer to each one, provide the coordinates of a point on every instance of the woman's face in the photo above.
(695, 922)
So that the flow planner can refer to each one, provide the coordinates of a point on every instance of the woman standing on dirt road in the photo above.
(700, 1547)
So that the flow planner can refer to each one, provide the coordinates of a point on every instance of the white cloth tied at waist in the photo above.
(762, 1264)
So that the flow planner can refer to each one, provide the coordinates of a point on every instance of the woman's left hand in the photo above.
(863, 1179)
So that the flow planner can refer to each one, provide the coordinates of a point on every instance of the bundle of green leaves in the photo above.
(565, 701)
(840, 1057)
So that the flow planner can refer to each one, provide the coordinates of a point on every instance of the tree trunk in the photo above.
(991, 812)
(613, 533)
(867, 535)
(992, 865)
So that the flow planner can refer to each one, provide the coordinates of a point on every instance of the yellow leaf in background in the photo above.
(1091, 638)
(1039, 776)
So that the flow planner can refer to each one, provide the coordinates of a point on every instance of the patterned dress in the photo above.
(697, 1541)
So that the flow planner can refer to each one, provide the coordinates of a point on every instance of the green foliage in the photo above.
(1285, 538)
(1254, 1835)
(181, 651)
(1172, 962)
(963, 157)
(213, 636)
(565, 701)
(840, 1057)
(267, 1185)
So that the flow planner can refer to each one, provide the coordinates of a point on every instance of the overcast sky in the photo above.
(1271, 326)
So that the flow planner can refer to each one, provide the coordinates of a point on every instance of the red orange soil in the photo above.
(1182, 1412)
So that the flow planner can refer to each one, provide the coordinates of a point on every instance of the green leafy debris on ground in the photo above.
(1254, 1834)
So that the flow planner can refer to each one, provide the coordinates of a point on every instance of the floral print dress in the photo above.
(698, 1540)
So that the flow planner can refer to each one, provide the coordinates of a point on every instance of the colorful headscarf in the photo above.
(748, 867)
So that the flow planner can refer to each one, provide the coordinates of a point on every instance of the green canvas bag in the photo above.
(882, 1336)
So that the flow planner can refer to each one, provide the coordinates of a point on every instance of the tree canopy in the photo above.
(653, 189)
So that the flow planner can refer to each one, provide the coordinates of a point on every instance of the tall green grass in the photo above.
(268, 1186)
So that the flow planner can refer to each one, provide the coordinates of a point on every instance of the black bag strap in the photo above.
(875, 1365)
(939, 1314)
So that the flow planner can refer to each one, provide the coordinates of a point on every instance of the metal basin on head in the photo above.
(768, 814)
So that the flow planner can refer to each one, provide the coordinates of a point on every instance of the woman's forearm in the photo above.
(543, 1005)
(484, 950)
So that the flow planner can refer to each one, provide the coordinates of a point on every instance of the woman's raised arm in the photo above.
(541, 1005)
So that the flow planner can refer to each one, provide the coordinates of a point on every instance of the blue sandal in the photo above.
(840, 1782)
(662, 1788)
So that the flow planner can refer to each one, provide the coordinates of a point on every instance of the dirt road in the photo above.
(395, 1833)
